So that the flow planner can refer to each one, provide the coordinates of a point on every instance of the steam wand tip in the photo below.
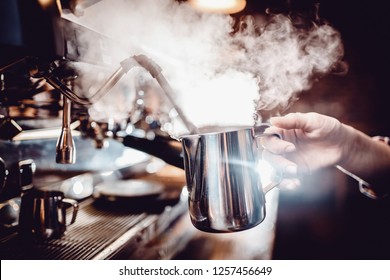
(66, 150)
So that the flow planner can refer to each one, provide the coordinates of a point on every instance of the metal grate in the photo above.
(96, 229)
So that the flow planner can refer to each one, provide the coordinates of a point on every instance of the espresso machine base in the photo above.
(99, 234)
(113, 234)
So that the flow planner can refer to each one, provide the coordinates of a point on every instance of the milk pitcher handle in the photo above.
(259, 131)
(66, 203)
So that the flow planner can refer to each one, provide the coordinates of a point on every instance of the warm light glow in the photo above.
(45, 3)
(219, 6)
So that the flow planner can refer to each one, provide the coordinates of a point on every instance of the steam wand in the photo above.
(155, 71)
(66, 152)
(53, 80)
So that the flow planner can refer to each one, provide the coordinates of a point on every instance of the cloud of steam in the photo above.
(285, 58)
(219, 76)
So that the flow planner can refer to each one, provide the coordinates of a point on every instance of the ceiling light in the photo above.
(218, 6)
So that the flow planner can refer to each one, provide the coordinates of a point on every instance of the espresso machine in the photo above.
(52, 138)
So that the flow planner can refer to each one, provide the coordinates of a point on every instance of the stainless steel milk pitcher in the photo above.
(43, 214)
(223, 179)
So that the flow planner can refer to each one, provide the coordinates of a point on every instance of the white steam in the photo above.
(285, 58)
(219, 78)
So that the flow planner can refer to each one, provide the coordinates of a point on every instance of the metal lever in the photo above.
(66, 149)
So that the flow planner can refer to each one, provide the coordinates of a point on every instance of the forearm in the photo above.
(367, 159)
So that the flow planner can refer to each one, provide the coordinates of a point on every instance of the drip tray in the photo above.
(102, 232)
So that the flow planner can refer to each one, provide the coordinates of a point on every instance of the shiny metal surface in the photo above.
(9, 213)
(223, 180)
(66, 149)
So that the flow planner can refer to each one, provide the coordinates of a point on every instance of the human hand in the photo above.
(310, 141)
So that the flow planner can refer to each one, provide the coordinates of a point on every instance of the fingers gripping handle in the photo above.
(259, 131)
